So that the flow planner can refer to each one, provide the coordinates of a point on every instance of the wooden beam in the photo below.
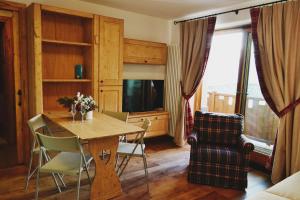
(34, 59)
(13, 6)
(66, 11)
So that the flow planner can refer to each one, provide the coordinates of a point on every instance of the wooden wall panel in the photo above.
(59, 61)
(63, 27)
(54, 91)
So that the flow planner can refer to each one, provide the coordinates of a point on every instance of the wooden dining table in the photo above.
(102, 134)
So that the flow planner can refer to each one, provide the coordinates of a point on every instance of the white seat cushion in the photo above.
(288, 188)
(266, 196)
(284, 190)
(127, 148)
(65, 162)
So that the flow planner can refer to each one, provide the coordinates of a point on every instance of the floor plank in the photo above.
(167, 180)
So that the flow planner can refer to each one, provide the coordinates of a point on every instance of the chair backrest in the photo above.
(123, 116)
(139, 138)
(36, 123)
(218, 128)
(61, 144)
(146, 124)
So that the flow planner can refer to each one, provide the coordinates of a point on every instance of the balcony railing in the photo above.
(260, 122)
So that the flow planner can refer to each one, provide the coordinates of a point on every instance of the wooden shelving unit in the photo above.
(58, 39)
(67, 80)
(66, 42)
(61, 39)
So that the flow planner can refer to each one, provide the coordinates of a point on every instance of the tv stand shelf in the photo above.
(159, 122)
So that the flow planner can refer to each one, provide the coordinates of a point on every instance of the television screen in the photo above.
(142, 95)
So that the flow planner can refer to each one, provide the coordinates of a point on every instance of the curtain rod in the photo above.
(225, 12)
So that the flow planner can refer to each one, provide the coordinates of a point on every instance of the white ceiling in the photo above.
(169, 9)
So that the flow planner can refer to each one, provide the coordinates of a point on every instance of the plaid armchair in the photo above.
(220, 153)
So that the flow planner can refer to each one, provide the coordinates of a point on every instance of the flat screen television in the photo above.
(143, 95)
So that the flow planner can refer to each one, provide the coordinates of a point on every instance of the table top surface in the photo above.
(100, 126)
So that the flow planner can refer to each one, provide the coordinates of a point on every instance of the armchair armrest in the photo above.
(245, 144)
(192, 138)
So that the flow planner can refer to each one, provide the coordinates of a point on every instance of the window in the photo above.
(231, 65)
(260, 121)
(221, 75)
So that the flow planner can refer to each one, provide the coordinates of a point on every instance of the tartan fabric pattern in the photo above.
(218, 128)
(228, 176)
(189, 123)
(220, 153)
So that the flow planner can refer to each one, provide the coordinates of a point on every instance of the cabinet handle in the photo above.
(146, 61)
(142, 119)
(101, 90)
(156, 118)
(101, 81)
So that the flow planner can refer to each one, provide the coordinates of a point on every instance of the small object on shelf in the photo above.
(78, 71)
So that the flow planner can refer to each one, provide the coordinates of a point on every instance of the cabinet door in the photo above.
(111, 51)
(110, 98)
(159, 125)
(144, 52)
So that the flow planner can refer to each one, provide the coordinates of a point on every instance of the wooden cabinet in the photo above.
(110, 98)
(159, 122)
(59, 39)
(111, 51)
(144, 52)
(111, 33)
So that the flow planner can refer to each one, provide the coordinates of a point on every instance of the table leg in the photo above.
(106, 183)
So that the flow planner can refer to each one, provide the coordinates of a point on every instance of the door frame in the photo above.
(15, 13)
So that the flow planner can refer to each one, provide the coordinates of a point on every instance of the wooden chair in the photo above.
(134, 149)
(123, 116)
(70, 161)
(38, 124)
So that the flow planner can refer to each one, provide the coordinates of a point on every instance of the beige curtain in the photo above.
(195, 44)
(172, 100)
(277, 30)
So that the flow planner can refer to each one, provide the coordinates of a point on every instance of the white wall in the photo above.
(136, 26)
(144, 72)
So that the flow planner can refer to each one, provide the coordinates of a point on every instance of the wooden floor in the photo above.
(167, 180)
(8, 155)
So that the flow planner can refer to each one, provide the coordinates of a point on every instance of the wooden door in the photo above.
(110, 98)
(13, 97)
(111, 51)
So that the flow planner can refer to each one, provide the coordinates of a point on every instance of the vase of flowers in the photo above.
(89, 115)
(83, 104)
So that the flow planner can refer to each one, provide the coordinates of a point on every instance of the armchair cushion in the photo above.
(217, 128)
(218, 155)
